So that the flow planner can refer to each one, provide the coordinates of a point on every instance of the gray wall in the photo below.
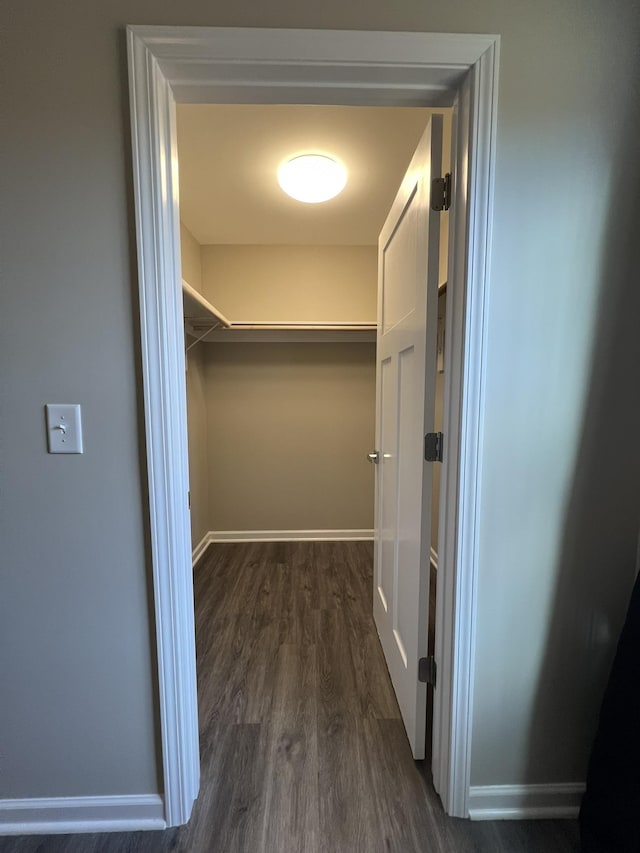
(560, 466)
(286, 283)
(289, 428)
(196, 401)
(199, 488)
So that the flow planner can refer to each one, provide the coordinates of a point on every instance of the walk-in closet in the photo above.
(280, 305)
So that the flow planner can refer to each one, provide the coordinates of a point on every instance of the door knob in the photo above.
(373, 457)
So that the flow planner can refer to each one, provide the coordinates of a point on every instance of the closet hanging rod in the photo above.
(302, 326)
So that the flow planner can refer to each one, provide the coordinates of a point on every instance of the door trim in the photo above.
(218, 65)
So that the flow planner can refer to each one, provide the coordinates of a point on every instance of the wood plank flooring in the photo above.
(302, 746)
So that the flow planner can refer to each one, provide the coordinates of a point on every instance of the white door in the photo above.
(405, 395)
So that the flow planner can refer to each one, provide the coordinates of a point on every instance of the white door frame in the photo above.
(222, 65)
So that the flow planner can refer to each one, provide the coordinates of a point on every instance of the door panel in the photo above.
(399, 265)
(408, 523)
(406, 371)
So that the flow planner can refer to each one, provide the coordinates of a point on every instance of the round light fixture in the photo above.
(312, 178)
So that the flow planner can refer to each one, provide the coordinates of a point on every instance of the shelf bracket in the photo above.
(213, 327)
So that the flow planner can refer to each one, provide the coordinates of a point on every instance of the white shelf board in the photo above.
(200, 312)
(205, 322)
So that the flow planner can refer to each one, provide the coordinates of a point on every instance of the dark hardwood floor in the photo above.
(302, 746)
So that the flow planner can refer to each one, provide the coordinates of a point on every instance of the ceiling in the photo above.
(229, 155)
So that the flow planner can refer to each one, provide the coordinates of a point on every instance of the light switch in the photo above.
(64, 427)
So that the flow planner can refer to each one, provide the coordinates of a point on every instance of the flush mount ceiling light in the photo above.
(312, 178)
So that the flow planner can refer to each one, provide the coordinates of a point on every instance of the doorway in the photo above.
(310, 67)
(280, 424)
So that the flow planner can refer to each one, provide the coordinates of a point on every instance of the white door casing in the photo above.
(405, 402)
(243, 65)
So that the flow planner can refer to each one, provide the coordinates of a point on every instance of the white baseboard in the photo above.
(434, 558)
(524, 802)
(200, 548)
(81, 814)
(290, 535)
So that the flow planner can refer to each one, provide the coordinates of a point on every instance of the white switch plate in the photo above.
(64, 427)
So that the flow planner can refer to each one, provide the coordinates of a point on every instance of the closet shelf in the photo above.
(205, 323)
(199, 314)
